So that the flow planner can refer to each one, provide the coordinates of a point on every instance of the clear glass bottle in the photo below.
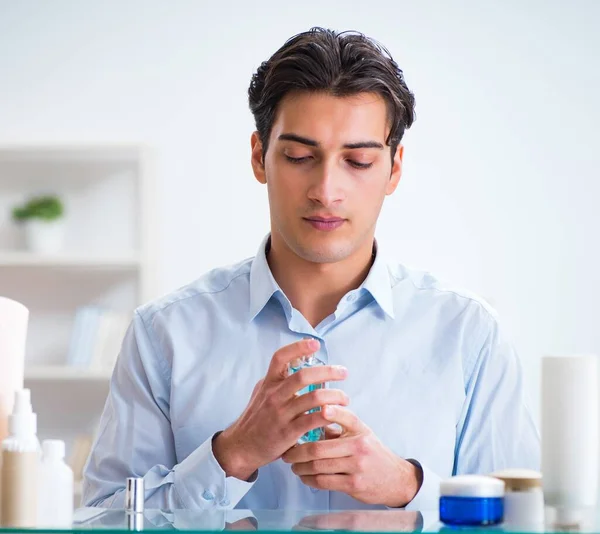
(315, 434)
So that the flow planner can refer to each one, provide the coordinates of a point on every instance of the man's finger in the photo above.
(345, 418)
(333, 431)
(278, 368)
(333, 448)
(328, 482)
(317, 398)
(328, 466)
(320, 374)
(257, 387)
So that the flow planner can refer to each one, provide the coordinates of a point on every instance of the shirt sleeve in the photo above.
(135, 439)
(495, 429)
(428, 495)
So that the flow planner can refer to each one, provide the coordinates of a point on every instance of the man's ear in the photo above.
(396, 171)
(258, 164)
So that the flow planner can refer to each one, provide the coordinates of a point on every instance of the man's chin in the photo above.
(324, 252)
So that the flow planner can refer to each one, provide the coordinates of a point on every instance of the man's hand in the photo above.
(355, 462)
(275, 416)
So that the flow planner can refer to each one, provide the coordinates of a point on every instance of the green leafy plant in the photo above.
(46, 208)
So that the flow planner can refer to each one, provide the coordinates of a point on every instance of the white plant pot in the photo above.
(44, 237)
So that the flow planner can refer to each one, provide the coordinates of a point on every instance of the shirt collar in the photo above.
(378, 282)
(263, 285)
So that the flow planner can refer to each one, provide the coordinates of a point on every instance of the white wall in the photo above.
(501, 187)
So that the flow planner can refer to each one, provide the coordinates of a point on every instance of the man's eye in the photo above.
(297, 160)
(359, 165)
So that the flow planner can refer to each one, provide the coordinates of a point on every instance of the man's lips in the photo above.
(325, 224)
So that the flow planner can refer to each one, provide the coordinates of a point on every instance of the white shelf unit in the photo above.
(64, 373)
(69, 261)
(107, 260)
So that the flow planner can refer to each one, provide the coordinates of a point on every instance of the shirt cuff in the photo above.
(201, 482)
(428, 496)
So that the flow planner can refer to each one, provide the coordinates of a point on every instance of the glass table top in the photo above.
(108, 520)
(252, 520)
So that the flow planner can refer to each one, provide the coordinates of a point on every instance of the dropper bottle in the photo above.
(20, 466)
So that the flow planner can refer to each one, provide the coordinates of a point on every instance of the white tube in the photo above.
(569, 429)
(14, 318)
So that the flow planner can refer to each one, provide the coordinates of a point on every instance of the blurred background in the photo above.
(125, 123)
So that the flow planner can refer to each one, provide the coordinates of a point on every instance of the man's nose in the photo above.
(327, 185)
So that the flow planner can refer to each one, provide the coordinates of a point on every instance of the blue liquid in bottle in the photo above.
(308, 361)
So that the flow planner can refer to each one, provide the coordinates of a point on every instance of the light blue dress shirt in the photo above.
(430, 372)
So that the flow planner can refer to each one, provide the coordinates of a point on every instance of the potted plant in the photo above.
(42, 217)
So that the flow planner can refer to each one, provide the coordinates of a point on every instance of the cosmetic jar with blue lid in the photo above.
(471, 500)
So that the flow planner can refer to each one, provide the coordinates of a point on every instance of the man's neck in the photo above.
(315, 289)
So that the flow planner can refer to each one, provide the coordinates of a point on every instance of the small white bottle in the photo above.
(20, 466)
(523, 499)
(56, 487)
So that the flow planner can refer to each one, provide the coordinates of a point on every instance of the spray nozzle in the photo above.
(22, 403)
(22, 420)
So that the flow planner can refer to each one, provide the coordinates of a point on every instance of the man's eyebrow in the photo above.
(311, 142)
(364, 144)
(298, 139)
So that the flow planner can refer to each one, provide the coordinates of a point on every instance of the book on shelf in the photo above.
(96, 337)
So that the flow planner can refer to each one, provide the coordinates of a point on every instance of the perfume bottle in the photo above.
(301, 363)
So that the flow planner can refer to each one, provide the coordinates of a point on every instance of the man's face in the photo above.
(327, 171)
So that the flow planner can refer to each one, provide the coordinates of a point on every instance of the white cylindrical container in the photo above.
(523, 499)
(20, 466)
(14, 318)
(569, 430)
(56, 487)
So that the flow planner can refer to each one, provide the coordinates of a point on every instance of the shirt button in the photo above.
(314, 490)
(225, 502)
(351, 297)
(208, 495)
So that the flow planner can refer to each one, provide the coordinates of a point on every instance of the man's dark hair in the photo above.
(341, 64)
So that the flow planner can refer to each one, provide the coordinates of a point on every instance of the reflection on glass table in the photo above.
(250, 520)
(90, 519)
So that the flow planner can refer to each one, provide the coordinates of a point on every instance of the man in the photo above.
(421, 382)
